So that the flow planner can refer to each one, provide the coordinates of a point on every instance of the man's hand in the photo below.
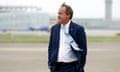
(50, 26)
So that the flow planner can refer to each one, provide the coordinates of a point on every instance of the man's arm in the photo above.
(49, 48)
(83, 45)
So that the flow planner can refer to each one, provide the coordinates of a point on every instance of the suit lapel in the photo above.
(57, 35)
(71, 29)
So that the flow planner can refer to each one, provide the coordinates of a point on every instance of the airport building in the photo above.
(21, 17)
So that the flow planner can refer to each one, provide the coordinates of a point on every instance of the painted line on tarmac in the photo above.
(45, 49)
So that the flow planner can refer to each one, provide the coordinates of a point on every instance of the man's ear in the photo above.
(68, 16)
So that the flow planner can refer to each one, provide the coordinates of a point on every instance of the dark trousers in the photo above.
(69, 67)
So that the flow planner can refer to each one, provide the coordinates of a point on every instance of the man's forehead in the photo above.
(62, 8)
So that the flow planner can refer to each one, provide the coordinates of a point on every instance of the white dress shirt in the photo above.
(65, 53)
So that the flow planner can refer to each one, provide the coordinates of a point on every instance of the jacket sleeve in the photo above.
(83, 45)
(49, 48)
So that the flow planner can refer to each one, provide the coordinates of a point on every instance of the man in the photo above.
(67, 46)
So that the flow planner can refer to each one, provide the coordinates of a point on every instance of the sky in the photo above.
(82, 8)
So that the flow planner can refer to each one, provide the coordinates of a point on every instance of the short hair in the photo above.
(69, 10)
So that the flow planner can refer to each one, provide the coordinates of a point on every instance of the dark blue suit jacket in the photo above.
(77, 32)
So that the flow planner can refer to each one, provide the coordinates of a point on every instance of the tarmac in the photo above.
(32, 57)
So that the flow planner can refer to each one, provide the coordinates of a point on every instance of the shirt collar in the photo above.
(66, 26)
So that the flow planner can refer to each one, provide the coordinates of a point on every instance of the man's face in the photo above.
(63, 18)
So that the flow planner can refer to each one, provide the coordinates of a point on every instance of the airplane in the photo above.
(39, 28)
